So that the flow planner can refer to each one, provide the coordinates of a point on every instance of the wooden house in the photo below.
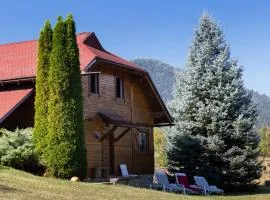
(121, 103)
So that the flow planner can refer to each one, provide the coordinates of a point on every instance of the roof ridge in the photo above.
(84, 32)
(19, 59)
(19, 42)
(35, 40)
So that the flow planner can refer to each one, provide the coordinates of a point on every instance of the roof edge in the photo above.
(149, 80)
(151, 83)
(35, 40)
(22, 78)
(16, 106)
(96, 59)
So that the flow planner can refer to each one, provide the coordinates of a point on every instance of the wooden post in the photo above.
(112, 155)
(108, 133)
(122, 135)
(132, 145)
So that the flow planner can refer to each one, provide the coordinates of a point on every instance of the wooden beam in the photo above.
(132, 111)
(112, 155)
(158, 114)
(107, 134)
(89, 73)
(26, 79)
(121, 135)
(166, 124)
(88, 119)
(135, 125)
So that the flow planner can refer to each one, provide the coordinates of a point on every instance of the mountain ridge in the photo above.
(163, 75)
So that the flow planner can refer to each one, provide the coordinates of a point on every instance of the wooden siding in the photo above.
(135, 107)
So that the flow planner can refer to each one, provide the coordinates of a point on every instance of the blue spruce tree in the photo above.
(214, 135)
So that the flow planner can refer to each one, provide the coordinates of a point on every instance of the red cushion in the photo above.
(183, 180)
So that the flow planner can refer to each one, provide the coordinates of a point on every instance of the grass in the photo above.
(16, 184)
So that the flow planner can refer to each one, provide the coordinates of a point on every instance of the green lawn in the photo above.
(16, 184)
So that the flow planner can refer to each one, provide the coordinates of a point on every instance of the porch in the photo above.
(112, 140)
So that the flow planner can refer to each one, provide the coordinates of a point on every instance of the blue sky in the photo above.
(154, 29)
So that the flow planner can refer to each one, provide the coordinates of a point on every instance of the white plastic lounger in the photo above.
(124, 171)
(162, 179)
(208, 189)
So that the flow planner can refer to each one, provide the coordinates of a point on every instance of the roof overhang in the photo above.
(101, 60)
(18, 80)
(117, 120)
(11, 100)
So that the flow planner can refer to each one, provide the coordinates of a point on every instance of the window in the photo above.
(119, 84)
(142, 141)
(94, 83)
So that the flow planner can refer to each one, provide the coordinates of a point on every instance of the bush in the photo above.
(17, 150)
(160, 148)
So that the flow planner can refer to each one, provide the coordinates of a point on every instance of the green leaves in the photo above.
(42, 92)
(58, 136)
(160, 148)
(66, 148)
(17, 149)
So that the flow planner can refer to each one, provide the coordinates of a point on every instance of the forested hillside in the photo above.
(161, 73)
(263, 105)
(163, 76)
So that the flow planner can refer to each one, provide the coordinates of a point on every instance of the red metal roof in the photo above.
(10, 100)
(18, 60)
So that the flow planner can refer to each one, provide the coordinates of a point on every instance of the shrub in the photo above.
(160, 148)
(265, 140)
(17, 150)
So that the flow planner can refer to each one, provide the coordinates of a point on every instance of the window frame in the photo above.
(138, 141)
(122, 88)
(97, 83)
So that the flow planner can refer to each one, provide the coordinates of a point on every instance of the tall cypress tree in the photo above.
(76, 100)
(42, 95)
(66, 151)
(214, 134)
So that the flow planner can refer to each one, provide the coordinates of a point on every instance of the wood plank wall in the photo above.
(98, 153)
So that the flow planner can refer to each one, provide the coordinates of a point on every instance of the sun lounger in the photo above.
(182, 180)
(201, 182)
(124, 171)
(162, 179)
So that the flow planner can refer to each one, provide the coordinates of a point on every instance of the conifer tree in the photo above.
(66, 150)
(214, 135)
(42, 95)
(76, 100)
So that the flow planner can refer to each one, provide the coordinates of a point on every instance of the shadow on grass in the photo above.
(256, 191)
(4, 188)
(144, 181)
